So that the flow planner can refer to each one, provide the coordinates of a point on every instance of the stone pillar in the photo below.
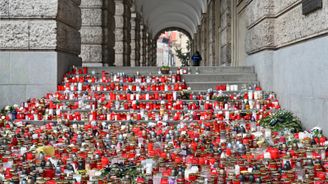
(119, 32)
(141, 51)
(39, 42)
(149, 50)
(127, 32)
(199, 39)
(144, 46)
(133, 55)
(137, 40)
(225, 32)
(111, 33)
(217, 25)
(92, 33)
(105, 30)
(206, 59)
(203, 40)
(154, 52)
(147, 43)
(194, 43)
(211, 33)
(152, 56)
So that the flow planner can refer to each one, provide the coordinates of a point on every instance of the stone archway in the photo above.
(172, 29)
(173, 45)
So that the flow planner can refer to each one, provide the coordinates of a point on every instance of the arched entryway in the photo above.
(173, 47)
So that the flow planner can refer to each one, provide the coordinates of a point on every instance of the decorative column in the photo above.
(149, 46)
(111, 32)
(151, 52)
(217, 23)
(133, 37)
(105, 32)
(144, 46)
(225, 32)
(206, 27)
(154, 52)
(146, 42)
(92, 33)
(127, 32)
(137, 40)
(203, 40)
(211, 33)
(119, 32)
(199, 39)
(141, 48)
(194, 44)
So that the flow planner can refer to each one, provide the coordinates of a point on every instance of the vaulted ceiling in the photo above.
(162, 14)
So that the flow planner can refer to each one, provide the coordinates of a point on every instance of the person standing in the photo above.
(196, 59)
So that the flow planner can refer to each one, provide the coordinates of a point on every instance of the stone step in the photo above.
(124, 83)
(160, 92)
(166, 110)
(220, 77)
(154, 70)
(120, 122)
(207, 85)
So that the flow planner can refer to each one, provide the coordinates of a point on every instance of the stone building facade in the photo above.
(40, 39)
(288, 49)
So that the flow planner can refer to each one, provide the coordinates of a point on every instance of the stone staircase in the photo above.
(199, 78)
(117, 108)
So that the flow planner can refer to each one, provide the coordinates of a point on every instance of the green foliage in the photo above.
(184, 57)
(221, 98)
(282, 120)
(7, 109)
(165, 68)
(130, 172)
(185, 94)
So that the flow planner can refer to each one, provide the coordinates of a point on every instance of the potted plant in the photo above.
(165, 69)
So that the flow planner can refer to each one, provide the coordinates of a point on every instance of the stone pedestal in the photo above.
(38, 44)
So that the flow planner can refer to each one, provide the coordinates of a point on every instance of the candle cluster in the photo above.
(114, 127)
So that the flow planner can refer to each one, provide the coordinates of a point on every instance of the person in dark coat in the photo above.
(196, 59)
